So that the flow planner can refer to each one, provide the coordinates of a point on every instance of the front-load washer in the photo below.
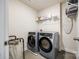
(49, 44)
(32, 41)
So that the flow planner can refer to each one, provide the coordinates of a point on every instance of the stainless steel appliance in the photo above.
(49, 44)
(32, 42)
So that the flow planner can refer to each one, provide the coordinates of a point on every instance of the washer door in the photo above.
(45, 44)
(31, 41)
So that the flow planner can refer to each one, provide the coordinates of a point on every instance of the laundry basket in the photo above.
(16, 48)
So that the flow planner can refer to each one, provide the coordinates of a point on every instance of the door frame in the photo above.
(4, 52)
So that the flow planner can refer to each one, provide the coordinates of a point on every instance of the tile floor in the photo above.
(31, 55)
(65, 55)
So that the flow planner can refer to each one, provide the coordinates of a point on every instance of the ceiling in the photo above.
(40, 4)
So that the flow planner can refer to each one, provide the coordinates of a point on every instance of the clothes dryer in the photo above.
(49, 44)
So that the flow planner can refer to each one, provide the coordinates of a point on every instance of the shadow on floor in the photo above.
(65, 55)
(61, 55)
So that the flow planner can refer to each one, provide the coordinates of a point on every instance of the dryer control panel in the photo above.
(46, 35)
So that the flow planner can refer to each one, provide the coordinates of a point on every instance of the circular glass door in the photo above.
(31, 41)
(45, 44)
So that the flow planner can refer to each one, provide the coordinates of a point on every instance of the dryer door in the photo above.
(31, 41)
(45, 44)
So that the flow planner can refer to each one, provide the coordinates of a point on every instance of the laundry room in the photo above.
(24, 19)
(40, 29)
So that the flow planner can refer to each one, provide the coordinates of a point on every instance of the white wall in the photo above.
(77, 33)
(77, 22)
(68, 42)
(21, 19)
(50, 25)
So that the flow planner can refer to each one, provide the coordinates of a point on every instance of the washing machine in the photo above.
(32, 41)
(49, 45)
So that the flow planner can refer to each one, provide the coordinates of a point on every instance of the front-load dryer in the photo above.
(32, 41)
(49, 44)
